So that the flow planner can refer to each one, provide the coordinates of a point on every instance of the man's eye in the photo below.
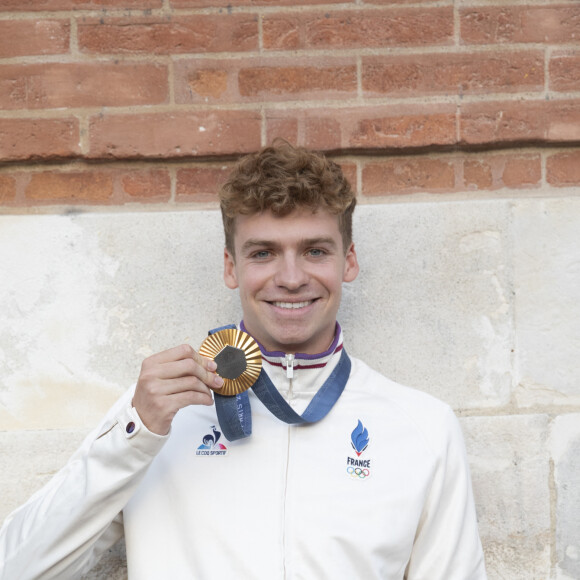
(316, 252)
(261, 254)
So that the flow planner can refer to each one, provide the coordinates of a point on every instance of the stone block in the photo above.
(432, 307)
(547, 305)
(87, 297)
(509, 462)
(565, 449)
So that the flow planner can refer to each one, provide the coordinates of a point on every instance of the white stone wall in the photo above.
(476, 302)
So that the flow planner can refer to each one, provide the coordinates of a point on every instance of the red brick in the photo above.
(37, 5)
(33, 37)
(402, 175)
(61, 187)
(371, 28)
(38, 138)
(56, 85)
(150, 184)
(169, 135)
(400, 129)
(471, 73)
(391, 2)
(386, 128)
(284, 32)
(200, 183)
(293, 81)
(323, 133)
(501, 123)
(179, 4)
(506, 170)
(478, 174)
(525, 171)
(195, 34)
(524, 23)
(565, 72)
(282, 126)
(7, 189)
(258, 79)
(203, 82)
(563, 169)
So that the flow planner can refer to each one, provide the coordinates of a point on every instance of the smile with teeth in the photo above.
(291, 305)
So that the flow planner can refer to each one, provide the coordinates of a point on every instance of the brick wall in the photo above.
(98, 96)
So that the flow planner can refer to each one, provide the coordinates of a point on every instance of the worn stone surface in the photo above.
(86, 298)
(432, 306)
(510, 471)
(565, 449)
(547, 298)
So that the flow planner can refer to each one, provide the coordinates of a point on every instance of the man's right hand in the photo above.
(171, 380)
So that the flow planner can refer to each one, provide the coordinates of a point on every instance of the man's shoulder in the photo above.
(366, 378)
(421, 409)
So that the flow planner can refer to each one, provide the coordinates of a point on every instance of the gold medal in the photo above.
(238, 359)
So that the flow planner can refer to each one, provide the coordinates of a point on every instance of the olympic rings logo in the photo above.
(357, 472)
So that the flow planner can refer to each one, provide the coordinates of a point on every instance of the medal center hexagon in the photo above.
(231, 362)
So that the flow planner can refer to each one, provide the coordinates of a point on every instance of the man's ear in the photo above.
(351, 267)
(230, 277)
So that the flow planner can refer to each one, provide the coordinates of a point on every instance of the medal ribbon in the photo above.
(235, 413)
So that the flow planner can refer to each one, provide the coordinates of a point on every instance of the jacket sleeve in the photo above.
(65, 527)
(447, 544)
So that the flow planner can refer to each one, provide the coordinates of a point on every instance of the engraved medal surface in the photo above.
(238, 359)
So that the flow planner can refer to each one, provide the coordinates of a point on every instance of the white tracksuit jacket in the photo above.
(289, 502)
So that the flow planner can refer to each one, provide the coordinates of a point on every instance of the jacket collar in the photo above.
(301, 360)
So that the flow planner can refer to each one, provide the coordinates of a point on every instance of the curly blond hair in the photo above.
(282, 178)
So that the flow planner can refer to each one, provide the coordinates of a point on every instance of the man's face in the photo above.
(289, 271)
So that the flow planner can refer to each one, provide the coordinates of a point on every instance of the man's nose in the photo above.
(291, 273)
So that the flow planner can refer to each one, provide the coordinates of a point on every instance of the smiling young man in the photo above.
(289, 271)
(324, 469)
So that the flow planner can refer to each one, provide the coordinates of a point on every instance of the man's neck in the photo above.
(298, 355)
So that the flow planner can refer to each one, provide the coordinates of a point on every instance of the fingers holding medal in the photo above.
(238, 359)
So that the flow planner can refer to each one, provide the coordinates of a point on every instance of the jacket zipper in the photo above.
(290, 376)
(290, 360)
